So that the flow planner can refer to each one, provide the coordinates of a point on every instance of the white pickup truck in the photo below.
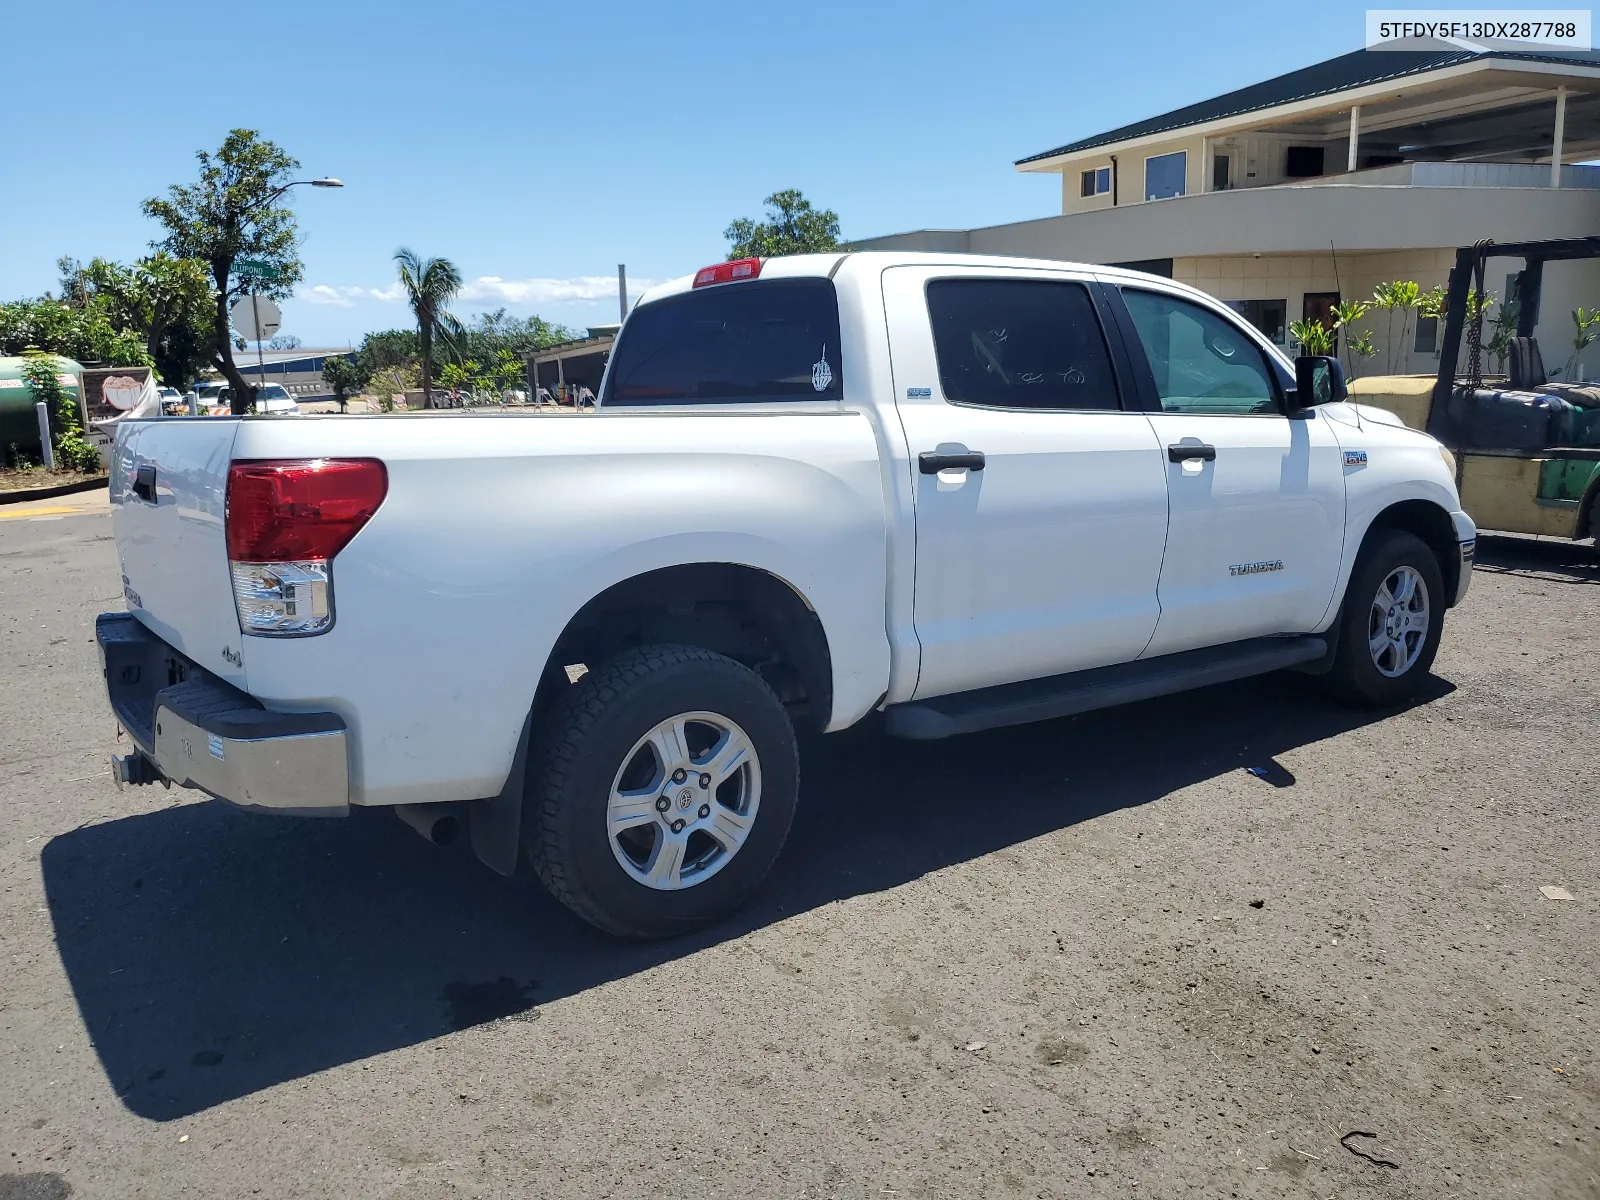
(961, 492)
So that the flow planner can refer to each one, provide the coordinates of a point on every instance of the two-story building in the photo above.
(1282, 197)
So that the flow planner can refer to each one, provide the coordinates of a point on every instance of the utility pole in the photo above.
(261, 366)
(622, 291)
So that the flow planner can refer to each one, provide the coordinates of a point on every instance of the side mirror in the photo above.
(1318, 379)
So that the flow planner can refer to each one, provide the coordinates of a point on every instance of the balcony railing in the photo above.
(1442, 174)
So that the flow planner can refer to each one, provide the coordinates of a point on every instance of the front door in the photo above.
(1044, 558)
(1257, 527)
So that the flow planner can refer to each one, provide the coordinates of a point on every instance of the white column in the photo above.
(1561, 129)
(1355, 136)
(42, 411)
(1205, 165)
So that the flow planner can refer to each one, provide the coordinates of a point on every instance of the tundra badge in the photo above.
(1355, 458)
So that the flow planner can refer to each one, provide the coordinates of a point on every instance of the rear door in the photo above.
(1257, 496)
(169, 492)
(1046, 558)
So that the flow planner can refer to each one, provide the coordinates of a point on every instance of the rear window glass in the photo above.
(735, 343)
(1020, 343)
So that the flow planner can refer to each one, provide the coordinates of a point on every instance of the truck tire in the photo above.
(1391, 621)
(662, 791)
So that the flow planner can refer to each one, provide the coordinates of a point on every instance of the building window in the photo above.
(1097, 182)
(1302, 162)
(1427, 335)
(1165, 175)
(1269, 316)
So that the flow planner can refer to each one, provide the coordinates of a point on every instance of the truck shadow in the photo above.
(1553, 560)
(214, 953)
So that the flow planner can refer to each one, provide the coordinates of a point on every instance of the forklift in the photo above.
(1527, 449)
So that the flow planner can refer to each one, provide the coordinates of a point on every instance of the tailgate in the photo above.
(169, 481)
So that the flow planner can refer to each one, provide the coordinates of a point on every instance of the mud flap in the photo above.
(495, 824)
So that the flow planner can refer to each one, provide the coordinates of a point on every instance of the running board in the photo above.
(1103, 687)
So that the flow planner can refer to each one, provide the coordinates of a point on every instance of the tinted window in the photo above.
(1164, 175)
(1269, 316)
(734, 343)
(1019, 343)
(1202, 363)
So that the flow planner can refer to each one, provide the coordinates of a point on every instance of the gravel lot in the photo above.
(1095, 957)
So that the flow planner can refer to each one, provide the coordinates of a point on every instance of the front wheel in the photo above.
(662, 791)
(1391, 623)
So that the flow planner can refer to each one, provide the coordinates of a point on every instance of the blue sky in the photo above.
(538, 146)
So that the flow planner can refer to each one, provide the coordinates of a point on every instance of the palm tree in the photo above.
(430, 284)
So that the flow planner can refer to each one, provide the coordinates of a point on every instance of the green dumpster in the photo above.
(19, 423)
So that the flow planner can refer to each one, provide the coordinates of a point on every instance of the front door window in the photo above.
(1202, 363)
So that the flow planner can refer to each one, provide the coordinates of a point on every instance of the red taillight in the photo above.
(728, 272)
(300, 509)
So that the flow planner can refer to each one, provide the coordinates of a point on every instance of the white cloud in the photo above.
(323, 294)
(490, 290)
(346, 297)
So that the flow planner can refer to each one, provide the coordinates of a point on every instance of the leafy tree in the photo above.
(344, 375)
(284, 341)
(487, 334)
(1344, 316)
(87, 333)
(429, 284)
(390, 348)
(1404, 297)
(166, 301)
(232, 212)
(792, 227)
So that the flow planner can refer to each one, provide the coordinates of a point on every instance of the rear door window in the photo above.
(1020, 343)
(763, 341)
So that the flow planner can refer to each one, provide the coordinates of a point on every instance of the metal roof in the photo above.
(1359, 68)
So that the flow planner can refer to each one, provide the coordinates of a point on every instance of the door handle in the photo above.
(1183, 451)
(930, 462)
(144, 483)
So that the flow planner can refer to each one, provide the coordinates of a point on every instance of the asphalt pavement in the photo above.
(1094, 957)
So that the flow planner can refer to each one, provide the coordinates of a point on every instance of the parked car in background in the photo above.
(272, 400)
(963, 492)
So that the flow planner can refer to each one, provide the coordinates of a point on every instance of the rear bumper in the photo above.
(203, 733)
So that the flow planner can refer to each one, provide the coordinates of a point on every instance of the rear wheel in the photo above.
(1391, 623)
(662, 792)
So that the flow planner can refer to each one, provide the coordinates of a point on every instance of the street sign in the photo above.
(255, 317)
(254, 268)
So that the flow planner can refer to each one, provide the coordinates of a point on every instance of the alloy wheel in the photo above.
(684, 800)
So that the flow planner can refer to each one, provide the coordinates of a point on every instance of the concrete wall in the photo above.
(1289, 277)
(1272, 243)
(1289, 220)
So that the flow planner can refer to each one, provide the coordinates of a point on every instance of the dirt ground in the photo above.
(1090, 958)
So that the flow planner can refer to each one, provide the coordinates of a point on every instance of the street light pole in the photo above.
(327, 181)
